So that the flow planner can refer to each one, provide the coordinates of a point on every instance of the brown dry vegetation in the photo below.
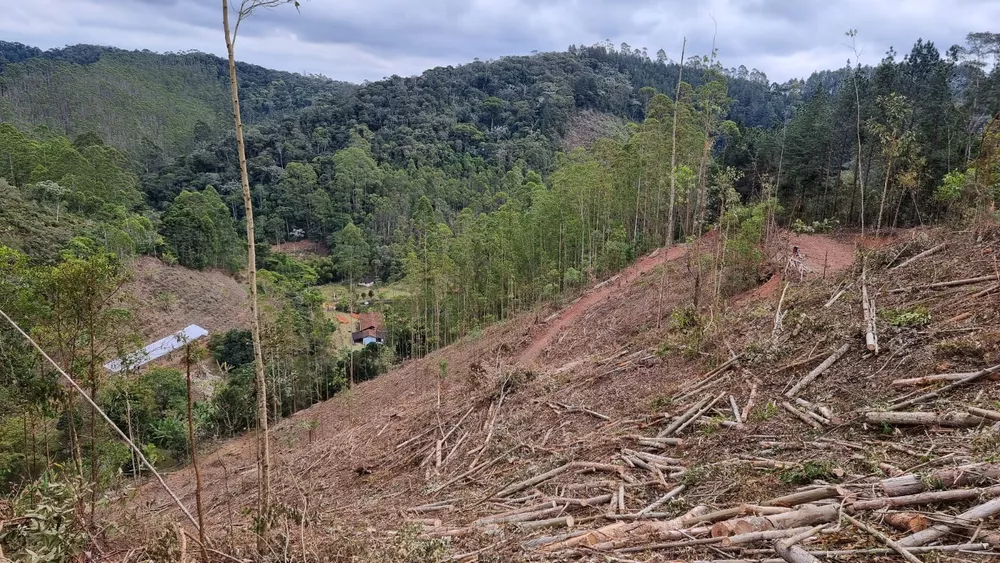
(169, 298)
(526, 397)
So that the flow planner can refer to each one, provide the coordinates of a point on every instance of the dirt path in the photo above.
(602, 291)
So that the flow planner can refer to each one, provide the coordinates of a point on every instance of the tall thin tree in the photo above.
(859, 178)
(246, 8)
(673, 182)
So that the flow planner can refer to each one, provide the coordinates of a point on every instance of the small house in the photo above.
(370, 329)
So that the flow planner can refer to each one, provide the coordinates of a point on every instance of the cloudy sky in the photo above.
(359, 40)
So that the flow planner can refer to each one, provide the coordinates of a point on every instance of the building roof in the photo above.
(157, 349)
(370, 320)
(366, 332)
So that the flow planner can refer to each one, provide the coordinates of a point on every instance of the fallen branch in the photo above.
(662, 500)
(971, 378)
(812, 375)
(953, 283)
(673, 426)
(917, 381)
(868, 306)
(985, 413)
(520, 486)
(803, 497)
(981, 512)
(923, 254)
(883, 538)
(794, 553)
(923, 498)
(801, 415)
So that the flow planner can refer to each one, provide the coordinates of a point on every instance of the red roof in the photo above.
(370, 320)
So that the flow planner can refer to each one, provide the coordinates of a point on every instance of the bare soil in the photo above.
(522, 399)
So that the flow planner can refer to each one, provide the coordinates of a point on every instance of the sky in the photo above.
(356, 40)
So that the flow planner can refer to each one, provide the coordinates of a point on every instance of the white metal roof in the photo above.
(157, 349)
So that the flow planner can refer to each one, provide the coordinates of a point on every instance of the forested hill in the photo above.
(147, 104)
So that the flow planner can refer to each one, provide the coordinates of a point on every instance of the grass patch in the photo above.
(908, 317)
(807, 473)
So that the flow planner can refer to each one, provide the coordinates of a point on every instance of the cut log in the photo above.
(803, 497)
(964, 381)
(928, 379)
(567, 521)
(809, 515)
(812, 375)
(698, 414)
(746, 408)
(939, 285)
(520, 486)
(949, 419)
(794, 553)
(981, 512)
(683, 418)
(868, 306)
(662, 500)
(923, 498)
(801, 415)
(909, 484)
(992, 415)
(923, 254)
(740, 539)
(522, 517)
(907, 521)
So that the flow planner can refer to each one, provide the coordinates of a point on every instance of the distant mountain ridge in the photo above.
(148, 104)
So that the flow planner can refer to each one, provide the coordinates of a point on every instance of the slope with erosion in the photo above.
(560, 459)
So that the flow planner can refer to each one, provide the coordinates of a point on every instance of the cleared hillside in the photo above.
(168, 298)
(486, 473)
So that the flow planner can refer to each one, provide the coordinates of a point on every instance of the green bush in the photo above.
(234, 348)
(53, 532)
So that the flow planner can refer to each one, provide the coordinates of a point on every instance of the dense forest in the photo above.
(482, 189)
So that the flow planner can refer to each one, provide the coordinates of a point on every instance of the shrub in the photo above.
(234, 348)
(52, 531)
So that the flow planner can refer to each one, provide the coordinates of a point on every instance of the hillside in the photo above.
(148, 104)
(484, 474)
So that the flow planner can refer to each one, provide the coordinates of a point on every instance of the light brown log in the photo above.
(521, 517)
(939, 285)
(907, 521)
(971, 378)
(945, 478)
(952, 419)
(868, 306)
(746, 408)
(803, 497)
(985, 413)
(808, 515)
(698, 414)
(818, 371)
(923, 254)
(801, 415)
(567, 521)
(520, 486)
(794, 553)
(740, 539)
(981, 512)
(909, 484)
(673, 426)
(662, 500)
(927, 379)
(924, 498)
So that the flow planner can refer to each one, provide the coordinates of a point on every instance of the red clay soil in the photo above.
(599, 293)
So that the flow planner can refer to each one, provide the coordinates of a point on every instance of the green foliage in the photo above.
(808, 472)
(201, 232)
(825, 226)
(233, 348)
(760, 413)
(916, 316)
(744, 254)
(51, 531)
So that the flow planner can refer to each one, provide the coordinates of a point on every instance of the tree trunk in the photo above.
(194, 456)
(673, 151)
(263, 449)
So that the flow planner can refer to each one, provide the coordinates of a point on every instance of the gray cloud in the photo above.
(355, 40)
